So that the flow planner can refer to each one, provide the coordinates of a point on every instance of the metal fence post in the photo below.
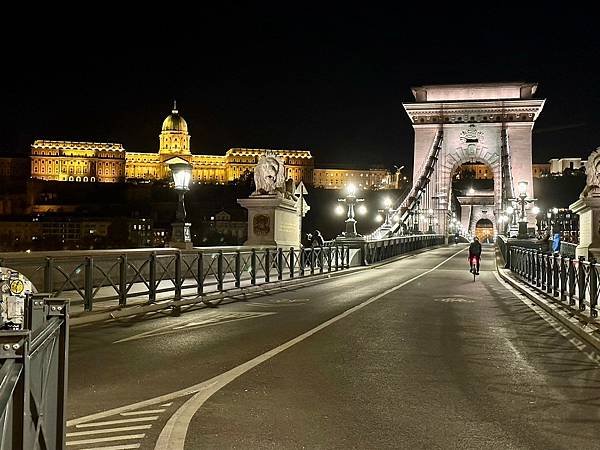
(238, 269)
(88, 283)
(581, 283)
(220, 271)
(280, 264)
(200, 273)
(549, 281)
(571, 277)
(563, 279)
(178, 281)
(49, 275)
(302, 261)
(337, 258)
(152, 278)
(312, 260)
(267, 265)
(123, 280)
(555, 273)
(593, 288)
(253, 267)
(292, 262)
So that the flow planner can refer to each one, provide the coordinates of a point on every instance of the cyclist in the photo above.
(475, 253)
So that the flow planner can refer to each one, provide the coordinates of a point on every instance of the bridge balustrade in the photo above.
(98, 276)
(571, 280)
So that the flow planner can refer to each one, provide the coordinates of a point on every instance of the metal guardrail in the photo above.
(90, 277)
(375, 251)
(33, 377)
(571, 280)
(96, 277)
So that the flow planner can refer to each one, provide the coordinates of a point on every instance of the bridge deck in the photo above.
(412, 354)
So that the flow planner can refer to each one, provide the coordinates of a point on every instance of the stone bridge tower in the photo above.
(455, 124)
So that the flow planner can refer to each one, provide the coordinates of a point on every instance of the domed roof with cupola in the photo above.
(174, 122)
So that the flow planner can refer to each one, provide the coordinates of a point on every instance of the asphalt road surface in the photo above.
(411, 354)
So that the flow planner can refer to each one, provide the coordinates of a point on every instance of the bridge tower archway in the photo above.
(454, 124)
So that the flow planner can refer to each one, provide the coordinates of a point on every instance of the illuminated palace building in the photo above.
(110, 163)
(106, 162)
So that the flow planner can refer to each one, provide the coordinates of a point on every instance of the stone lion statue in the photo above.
(269, 176)
(592, 184)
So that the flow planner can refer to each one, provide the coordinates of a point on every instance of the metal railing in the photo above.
(33, 377)
(97, 276)
(85, 278)
(572, 280)
(375, 251)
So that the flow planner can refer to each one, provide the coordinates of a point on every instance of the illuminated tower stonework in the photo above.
(174, 137)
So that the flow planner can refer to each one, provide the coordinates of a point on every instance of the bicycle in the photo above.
(474, 270)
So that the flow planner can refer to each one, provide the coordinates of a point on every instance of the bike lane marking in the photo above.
(174, 432)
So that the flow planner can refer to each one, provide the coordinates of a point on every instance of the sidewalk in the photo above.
(578, 322)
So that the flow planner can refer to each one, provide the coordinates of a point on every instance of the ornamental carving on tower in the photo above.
(472, 135)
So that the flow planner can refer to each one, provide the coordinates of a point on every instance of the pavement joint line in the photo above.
(262, 289)
(84, 420)
(557, 312)
(174, 432)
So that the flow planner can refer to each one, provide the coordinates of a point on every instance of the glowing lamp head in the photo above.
(387, 202)
(510, 210)
(535, 210)
(339, 210)
(471, 191)
(523, 188)
(378, 218)
(555, 210)
(182, 175)
(396, 218)
(350, 189)
(362, 210)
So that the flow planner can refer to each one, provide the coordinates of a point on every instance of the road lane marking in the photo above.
(583, 347)
(109, 430)
(147, 411)
(116, 422)
(107, 439)
(114, 447)
(174, 432)
(216, 318)
(160, 400)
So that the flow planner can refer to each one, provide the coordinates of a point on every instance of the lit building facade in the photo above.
(484, 172)
(339, 178)
(106, 162)
(77, 161)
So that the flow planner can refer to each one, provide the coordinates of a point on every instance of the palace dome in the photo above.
(174, 122)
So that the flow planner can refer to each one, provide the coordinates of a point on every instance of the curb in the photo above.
(137, 310)
(584, 327)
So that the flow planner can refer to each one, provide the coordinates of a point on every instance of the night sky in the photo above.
(331, 83)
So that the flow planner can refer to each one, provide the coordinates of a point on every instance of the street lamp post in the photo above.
(350, 200)
(430, 221)
(522, 200)
(182, 175)
(416, 218)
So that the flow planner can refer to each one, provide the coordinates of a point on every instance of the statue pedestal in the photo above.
(589, 229)
(272, 220)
